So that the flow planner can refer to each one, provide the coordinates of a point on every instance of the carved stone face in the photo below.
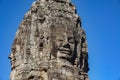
(64, 44)
(12, 58)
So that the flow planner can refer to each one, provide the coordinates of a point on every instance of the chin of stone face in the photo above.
(50, 44)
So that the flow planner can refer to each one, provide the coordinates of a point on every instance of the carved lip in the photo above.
(65, 50)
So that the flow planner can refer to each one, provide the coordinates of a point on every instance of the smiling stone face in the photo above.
(64, 44)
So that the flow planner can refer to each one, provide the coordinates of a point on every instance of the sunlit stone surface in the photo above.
(50, 44)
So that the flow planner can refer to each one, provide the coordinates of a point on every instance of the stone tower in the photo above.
(50, 44)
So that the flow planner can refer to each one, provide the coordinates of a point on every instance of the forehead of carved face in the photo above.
(64, 43)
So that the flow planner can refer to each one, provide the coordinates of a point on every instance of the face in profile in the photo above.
(64, 44)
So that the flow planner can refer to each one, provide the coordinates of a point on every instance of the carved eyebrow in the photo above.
(60, 38)
(70, 38)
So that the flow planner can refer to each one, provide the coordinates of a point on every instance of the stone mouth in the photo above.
(65, 51)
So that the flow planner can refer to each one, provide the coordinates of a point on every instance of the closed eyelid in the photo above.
(71, 40)
(60, 39)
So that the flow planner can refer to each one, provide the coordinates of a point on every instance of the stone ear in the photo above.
(78, 52)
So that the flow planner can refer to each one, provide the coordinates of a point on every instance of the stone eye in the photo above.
(71, 40)
(31, 78)
(59, 39)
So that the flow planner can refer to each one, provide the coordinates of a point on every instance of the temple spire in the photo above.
(50, 44)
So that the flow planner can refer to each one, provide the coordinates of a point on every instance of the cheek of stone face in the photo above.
(58, 44)
(72, 47)
(68, 73)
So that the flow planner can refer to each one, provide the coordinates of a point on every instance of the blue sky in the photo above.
(101, 21)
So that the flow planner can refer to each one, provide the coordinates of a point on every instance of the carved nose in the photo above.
(66, 45)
